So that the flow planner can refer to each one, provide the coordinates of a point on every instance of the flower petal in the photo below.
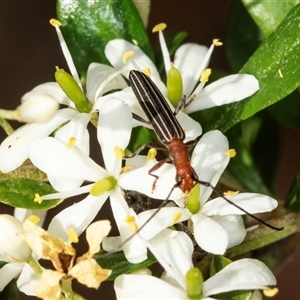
(226, 90)
(53, 157)
(96, 75)
(209, 160)
(114, 129)
(210, 235)
(8, 272)
(244, 274)
(145, 287)
(76, 128)
(14, 149)
(134, 249)
(115, 50)
(77, 216)
(27, 281)
(51, 89)
(234, 226)
(251, 202)
(188, 58)
(166, 217)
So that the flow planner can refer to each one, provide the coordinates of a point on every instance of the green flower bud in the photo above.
(174, 86)
(102, 186)
(73, 90)
(194, 284)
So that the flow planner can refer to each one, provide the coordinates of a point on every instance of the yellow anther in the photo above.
(120, 153)
(55, 23)
(205, 75)
(151, 154)
(231, 193)
(177, 217)
(147, 71)
(33, 219)
(37, 198)
(135, 42)
(280, 73)
(72, 235)
(126, 169)
(230, 153)
(127, 55)
(71, 142)
(271, 292)
(131, 222)
(159, 27)
(217, 42)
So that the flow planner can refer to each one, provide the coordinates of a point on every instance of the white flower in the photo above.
(14, 149)
(217, 225)
(174, 253)
(71, 167)
(191, 60)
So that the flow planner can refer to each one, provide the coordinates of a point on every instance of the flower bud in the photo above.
(38, 108)
(13, 246)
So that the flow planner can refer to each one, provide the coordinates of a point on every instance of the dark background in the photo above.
(29, 52)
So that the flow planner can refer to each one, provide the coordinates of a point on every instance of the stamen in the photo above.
(151, 154)
(230, 193)
(131, 222)
(33, 219)
(127, 55)
(205, 75)
(127, 168)
(71, 142)
(271, 292)
(280, 73)
(146, 71)
(135, 42)
(37, 198)
(217, 42)
(159, 27)
(177, 217)
(120, 153)
(66, 51)
(231, 153)
(72, 235)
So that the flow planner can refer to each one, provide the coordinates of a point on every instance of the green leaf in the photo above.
(268, 14)
(88, 26)
(20, 192)
(287, 111)
(280, 52)
(11, 291)
(292, 201)
(119, 265)
(217, 264)
(242, 40)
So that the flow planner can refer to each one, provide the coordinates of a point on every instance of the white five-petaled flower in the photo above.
(71, 165)
(191, 60)
(217, 225)
(174, 250)
(14, 149)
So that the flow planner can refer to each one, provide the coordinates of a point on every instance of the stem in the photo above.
(6, 126)
(262, 235)
(34, 265)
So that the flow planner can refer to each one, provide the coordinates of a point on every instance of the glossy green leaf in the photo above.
(20, 192)
(119, 265)
(276, 64)
(88, 26)
(269, 14)
(292, 201)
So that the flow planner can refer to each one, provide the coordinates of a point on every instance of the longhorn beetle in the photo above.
(171, 135)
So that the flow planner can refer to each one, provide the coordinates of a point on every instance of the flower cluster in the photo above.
(58, 145)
